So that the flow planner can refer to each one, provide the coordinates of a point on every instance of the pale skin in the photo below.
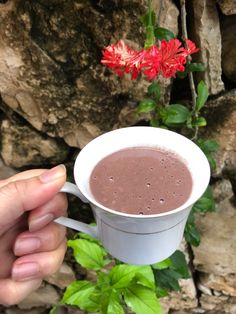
(32, 246)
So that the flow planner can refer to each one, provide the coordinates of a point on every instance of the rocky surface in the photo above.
(228, 7)
(228, 27)
(206, 32)
(24, 146)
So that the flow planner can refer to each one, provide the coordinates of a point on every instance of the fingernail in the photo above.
(53, 174)
(26, 246)
(40, 222)
(25, 271)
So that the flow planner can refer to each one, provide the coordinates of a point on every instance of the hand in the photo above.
(32, 246)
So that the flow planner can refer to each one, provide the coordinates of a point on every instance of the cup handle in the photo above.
(71, 223)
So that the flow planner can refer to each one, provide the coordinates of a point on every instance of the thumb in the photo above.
(20, 196)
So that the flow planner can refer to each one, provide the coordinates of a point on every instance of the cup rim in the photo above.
(189, 202)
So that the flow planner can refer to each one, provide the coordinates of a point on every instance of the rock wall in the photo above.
(55, 96)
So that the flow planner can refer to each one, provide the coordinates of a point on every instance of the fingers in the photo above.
(23, 195)
(47, 239)
(38, 265)
(44, 214)
(12, 292)
(22, 175)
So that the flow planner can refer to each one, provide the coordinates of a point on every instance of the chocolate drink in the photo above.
(141, 180)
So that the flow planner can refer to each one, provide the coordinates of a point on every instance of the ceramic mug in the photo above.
(137, 239)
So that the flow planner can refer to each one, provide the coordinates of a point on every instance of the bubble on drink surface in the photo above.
(161, 200)
(141, 213)
(111, 179)
(148, 208)
(178, 182)
(140, 196)
(148, 184)
(153, 199)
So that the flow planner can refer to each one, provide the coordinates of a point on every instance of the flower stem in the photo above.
(189, 59)
(150, 38)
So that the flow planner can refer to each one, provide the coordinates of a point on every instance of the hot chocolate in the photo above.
(141, 180)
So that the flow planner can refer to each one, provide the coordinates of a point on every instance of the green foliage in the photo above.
(191, 67)
(168, 272)
(204, 204)
(209, 147)
(88, 254)
(53, 310)
(174, 115)
(163, 33)
(142, 300)
(202, 95)
(124, 285)
(146, 105)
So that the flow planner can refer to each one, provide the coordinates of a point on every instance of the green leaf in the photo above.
(163, 264)
(179, 264)
(122, 275)
(154, 123)
(53, 310)
(208, 145)
(142, 300)
(192, 67)
(90, 255)
(78, 294)
(191, 233)
(155, 91)
(114, 306)
(205, 203)
(201, 121)
(90, 238)
(145, 277)
(173, 115)
(196, 67)
(167, 279)
(146, 105)
(163, 33)
(202, 95)
(160, 292)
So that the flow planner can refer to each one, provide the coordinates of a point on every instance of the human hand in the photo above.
(32, 246)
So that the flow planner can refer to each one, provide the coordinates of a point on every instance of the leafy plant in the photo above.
(121, 287)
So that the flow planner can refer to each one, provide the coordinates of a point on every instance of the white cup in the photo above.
(137, 239)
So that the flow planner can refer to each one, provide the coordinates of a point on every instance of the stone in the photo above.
(5, 171)
(185, 299)
(228, 7)
(218, 304)
(63, 277)
(22, 145)
(224, 284)
(222, 189)
(51, 72)
(216, 252)
(205, 32)
(221, 120)
(229, 46)
(16, 310)
(45, 296)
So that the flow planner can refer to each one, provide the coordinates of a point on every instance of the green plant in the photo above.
(120, 287)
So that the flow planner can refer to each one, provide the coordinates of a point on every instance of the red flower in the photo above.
(167, 59)
(191, 47)
(121, 59)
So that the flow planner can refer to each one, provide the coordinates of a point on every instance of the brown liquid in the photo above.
(141, 181)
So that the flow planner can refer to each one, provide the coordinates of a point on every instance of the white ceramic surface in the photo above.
(137, 239)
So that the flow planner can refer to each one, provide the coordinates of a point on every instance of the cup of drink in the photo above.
(141, 183)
